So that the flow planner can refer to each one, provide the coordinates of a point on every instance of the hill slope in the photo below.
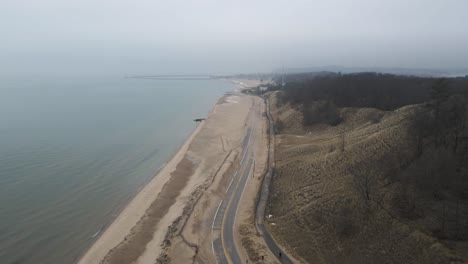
(363, 192)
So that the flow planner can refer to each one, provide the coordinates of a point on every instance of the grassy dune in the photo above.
(359, 192)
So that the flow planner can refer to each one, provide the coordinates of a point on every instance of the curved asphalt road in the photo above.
(224, 247)
(227, 233)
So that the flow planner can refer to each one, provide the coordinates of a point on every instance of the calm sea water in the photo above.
(73, 151)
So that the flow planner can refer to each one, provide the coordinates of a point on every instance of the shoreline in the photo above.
(118, 227)
(245, 83)
(125, 232)
(131, 212)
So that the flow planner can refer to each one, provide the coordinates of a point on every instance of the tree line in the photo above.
(376, 90)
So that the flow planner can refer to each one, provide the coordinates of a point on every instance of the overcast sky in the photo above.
(230, 36)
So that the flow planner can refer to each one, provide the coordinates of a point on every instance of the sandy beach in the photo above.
(140, 234)
(136, 209)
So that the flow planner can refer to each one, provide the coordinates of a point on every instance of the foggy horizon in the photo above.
(211, 37)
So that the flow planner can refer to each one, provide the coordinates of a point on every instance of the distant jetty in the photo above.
(175, 77)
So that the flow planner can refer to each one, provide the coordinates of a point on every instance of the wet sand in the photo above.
(133, 213)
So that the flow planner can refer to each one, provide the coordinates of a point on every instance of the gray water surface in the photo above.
(73, 151)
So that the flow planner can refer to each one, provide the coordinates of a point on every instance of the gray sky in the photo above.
(216, 36)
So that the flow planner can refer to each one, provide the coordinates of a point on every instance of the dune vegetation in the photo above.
(370, 168)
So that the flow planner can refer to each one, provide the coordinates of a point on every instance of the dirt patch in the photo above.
(174, 231)
(135, 243)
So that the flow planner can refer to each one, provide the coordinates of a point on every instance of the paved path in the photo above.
(264, 193)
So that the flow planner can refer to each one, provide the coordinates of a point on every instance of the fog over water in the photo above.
(208, 36)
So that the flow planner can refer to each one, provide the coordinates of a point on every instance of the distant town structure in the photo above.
(283, 83)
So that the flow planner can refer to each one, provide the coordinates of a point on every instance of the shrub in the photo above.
(321, 112)
(375, 117)
(344, 222)
(279, 125)
(404, 203)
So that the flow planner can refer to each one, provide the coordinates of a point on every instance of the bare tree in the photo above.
(364, 183)
(343, 137)
(439, 93)
(321, 112)
(421, 127)
(342, 141)
(457, 118)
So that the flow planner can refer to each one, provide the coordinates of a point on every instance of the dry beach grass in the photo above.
(333, 198)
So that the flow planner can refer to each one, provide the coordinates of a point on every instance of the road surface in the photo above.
(224, 246)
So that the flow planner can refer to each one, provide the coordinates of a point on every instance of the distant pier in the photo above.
(175, 77)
